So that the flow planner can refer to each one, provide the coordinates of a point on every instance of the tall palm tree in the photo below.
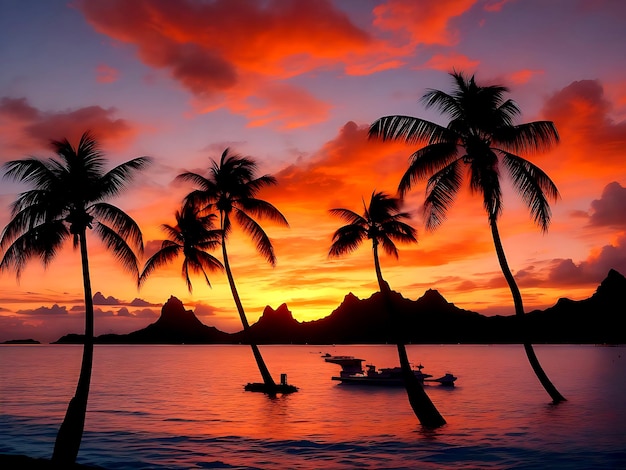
(382, 222)
(231, 188)
(67, 199)
(193, 236)
(481, 136)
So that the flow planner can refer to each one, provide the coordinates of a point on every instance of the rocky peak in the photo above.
(433, 299)
(281, 315)
(174, 315)
(613, 286)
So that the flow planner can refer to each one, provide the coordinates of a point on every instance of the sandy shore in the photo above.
(22, 462)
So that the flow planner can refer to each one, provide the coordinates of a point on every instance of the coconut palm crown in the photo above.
(381, 222)
(193, 237)
(481, 137)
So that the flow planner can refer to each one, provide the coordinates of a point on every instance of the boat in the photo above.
(352, 372)
(283, 387)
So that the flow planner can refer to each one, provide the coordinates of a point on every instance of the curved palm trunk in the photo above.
(519, 311)
(270, 385)
(71, 431)
(423, 407)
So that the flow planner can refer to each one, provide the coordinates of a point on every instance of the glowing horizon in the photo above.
(295, 85)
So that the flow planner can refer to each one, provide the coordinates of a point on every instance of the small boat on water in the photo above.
(352, 372)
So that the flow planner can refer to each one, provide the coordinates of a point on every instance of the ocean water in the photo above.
(184, 407)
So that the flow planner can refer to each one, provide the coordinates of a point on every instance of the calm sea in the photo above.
(184, 407)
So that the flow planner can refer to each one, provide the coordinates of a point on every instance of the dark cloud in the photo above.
(99, 313)
(610, 209)
(123, 312)
(594, 269)
(99, 299)
(204, 310)
(137, 302)
(145, 313)
(591, 137)
(54, 310)
(42, 126)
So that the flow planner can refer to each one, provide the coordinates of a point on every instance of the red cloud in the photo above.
(523, 76)
(425, 21)
(592, 143)
(230, 47)
(25, 126)
(495, 5)
(610, 209)
(106, 74)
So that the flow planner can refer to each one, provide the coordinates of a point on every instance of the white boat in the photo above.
(352, 372)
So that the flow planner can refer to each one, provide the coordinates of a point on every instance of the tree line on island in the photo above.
(68, 196)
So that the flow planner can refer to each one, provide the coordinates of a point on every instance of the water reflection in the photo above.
(173, 405)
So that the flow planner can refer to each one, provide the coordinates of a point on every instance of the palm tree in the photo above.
(230, 189)
(192, 236)
(482, 137)
(67, 199)
(382, 222)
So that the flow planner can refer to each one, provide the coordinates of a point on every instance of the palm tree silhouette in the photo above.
(480, 135)
(382, 222)
(230, 189)
(193, 236)
(67, 199)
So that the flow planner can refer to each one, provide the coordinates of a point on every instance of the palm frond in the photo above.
(30, 171)
(116, 179)
(202, 182)
(399, 231)
(529, 138)
(441, 190)
(443, 102)
(534, 186)
(347, 239)
(407, 129)
(388, 245)
(120, 248)
(264, 210)
(168, 252)
(209, 262)
(42, 241)
(256, 184)
(349, 216)
(121, 222)
(426, 161)
(261, 241)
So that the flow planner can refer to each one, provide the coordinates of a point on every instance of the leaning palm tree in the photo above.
(382, 222)
(481, 136)
(230, 189)
(193, 236)
(67, 199)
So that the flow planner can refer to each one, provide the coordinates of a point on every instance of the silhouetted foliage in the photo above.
(193, 236)
(66, 199)
(482, 137)
(382, 222)
(230, 189)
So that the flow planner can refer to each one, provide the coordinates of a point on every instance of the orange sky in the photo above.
(295, 85)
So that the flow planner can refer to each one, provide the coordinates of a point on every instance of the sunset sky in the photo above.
(295, 85)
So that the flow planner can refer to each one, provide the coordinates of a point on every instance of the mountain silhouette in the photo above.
(175, 326)
(430, 319)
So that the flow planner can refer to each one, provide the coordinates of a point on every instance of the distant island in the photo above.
(21, 341)
(431, 319)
